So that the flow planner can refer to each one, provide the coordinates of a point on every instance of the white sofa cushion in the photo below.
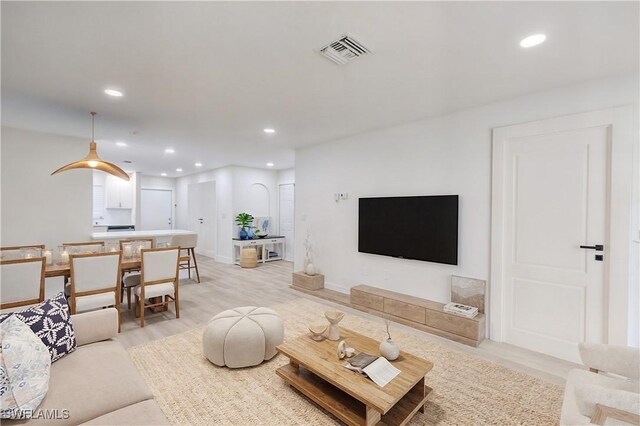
(587, 396)
(25, 366)
(571, 414)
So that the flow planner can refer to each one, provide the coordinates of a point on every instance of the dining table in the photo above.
(127, 264)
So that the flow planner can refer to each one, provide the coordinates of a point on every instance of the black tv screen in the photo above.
(419, 228)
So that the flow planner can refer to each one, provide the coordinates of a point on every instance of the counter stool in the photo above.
(188, 243)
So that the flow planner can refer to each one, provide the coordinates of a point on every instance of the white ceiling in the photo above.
(206, 78)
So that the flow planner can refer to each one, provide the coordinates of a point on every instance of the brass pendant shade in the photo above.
(92, 161)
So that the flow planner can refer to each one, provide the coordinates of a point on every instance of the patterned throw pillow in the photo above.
(51, 322)
(25, 366)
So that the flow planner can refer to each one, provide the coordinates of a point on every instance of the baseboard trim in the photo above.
(337, 287)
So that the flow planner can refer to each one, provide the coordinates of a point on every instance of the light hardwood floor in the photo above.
(226, 286)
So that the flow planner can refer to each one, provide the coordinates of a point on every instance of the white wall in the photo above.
(286, 176)
(444, 155)
(223, 179)
(158, 182)
(35, 206)
(236, 188)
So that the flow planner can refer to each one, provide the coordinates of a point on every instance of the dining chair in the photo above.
(158, 280)
(84, 247)
(143, 243)
(188, 243)
(21, 282)
(15, 252)
(95, 282)
(81, 248)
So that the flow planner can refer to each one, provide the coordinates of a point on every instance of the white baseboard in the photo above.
(337, 287)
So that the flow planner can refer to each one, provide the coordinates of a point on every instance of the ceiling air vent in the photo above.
(344, 50)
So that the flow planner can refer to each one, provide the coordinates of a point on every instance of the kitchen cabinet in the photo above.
(119, 193)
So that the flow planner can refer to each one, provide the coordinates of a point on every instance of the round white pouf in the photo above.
(242, 337)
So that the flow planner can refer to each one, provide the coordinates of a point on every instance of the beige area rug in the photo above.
(467, 390)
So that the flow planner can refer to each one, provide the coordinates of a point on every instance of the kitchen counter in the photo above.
(126, 235)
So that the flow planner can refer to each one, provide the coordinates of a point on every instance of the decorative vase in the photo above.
(389, 349)
(244, 235)
(311, 269)
(306, 263)
(334, 317)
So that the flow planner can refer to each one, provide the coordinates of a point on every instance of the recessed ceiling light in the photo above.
(169, 151)
(269, 164)
(113, 92)
(533, 40)
(198, 164)
(120, 143)
(127, 161)
(163, 174)
(268, 130)
(178, 170)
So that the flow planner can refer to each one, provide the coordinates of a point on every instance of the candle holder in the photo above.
(127, 250)
(63, 255)
(48, 257)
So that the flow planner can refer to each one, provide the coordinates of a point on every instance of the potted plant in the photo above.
(244, 221)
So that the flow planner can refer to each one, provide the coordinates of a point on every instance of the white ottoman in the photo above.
(242, 337)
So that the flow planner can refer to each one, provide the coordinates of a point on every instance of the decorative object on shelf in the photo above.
(92, 161)
(334, 317)
(388, 348)
(307, 255)
(342, 349)
(244, 221)
(311, 269)
(350, 352)
(468, 291)
(261, 226)
(318, 332)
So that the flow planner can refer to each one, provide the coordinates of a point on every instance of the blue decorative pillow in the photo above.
(51, 322)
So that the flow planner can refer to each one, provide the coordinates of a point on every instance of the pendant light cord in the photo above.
(93, 127)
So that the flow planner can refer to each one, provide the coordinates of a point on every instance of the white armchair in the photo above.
(612, 398)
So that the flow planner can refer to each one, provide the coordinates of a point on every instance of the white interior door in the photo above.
(554, 199)
(286, 218)
(202, 215)
(156, 207)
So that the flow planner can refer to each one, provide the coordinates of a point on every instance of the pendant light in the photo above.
(92, 161)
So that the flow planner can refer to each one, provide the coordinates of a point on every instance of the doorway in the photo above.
(286, 218)
(202, 216)
(156, 209)
(553, 243)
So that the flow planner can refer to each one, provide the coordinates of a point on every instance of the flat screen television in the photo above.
(419, 228)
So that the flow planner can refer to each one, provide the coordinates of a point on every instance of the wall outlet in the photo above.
(344, 195)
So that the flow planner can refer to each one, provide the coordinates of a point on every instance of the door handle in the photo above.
(597, 247)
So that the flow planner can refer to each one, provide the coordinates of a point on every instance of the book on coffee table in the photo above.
(376, 368)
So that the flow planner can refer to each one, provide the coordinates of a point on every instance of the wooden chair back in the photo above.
(94, 273)
(15, 252)
(84, 247)
(138, 243)
(21, 282)
(160, 265)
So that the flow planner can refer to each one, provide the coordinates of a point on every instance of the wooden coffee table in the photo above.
(315, 370)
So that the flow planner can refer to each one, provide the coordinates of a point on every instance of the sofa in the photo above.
(609, 392)
(97, 384)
